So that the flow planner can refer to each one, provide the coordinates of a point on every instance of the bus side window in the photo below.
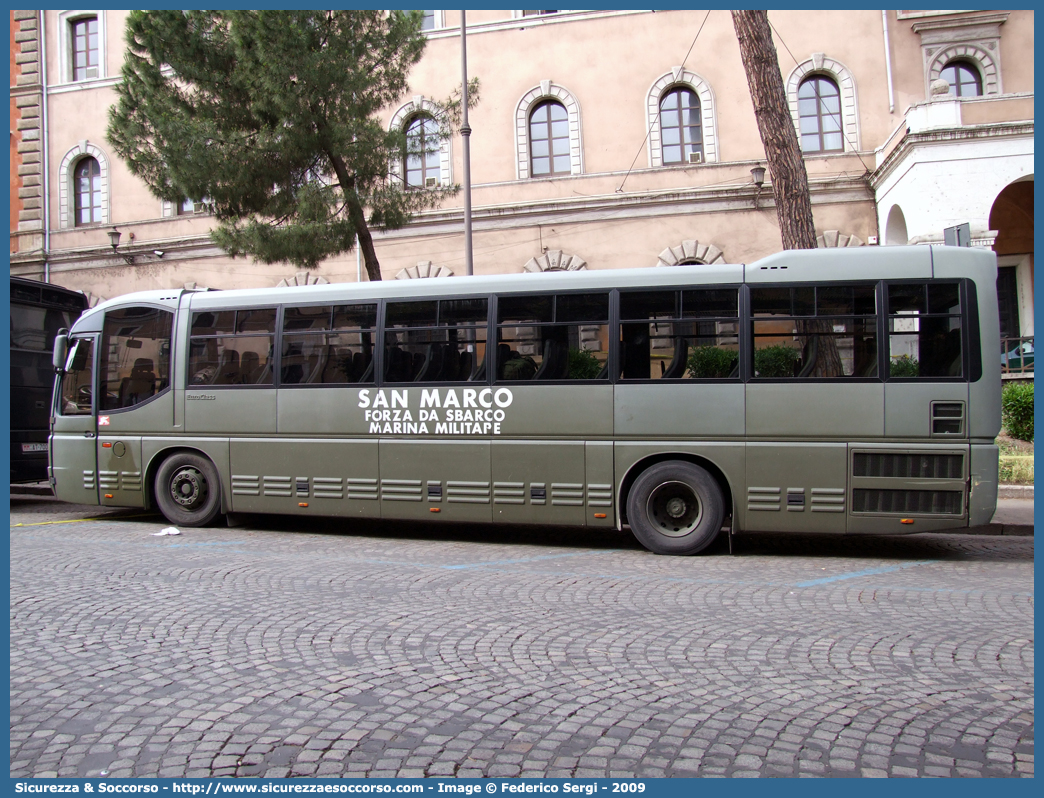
(550, 338)
(814, 332)
(134, 356)
(673, 334)
(436, 340)
(76, 382)
(232, 347)
(924, 330)
(326, 345)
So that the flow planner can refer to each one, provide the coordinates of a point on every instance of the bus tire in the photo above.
(675, 508)
(188, 490)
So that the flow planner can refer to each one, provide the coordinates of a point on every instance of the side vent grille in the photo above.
(937, 502)
(246, 485)
(467, 492)
(361, 488)
(400, 490)
(906, 466)
(327, 488)
(277, 486)
(947, 418)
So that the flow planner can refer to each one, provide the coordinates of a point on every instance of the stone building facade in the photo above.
(580, 158)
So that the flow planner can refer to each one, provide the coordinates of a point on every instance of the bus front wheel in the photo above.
(188, 490)
(675, 508)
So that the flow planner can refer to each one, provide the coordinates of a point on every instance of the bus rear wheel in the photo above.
(188, 490)
(675, 508)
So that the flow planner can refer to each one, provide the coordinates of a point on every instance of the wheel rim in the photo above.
(188, 488)
(675, 509)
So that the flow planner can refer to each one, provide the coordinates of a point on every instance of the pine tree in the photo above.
(271, 117)
(786, 166)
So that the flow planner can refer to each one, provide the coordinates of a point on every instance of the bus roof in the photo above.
(851, 263)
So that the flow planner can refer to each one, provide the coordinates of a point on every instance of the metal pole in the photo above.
(465, 132)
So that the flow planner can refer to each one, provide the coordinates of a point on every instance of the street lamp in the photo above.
(757, 174)
(114, 241)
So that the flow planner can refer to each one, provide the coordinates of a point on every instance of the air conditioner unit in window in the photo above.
(695, 157)
(430, 182)
(199, 207)
(91, 72)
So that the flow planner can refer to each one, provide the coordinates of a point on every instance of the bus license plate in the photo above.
(34, 447)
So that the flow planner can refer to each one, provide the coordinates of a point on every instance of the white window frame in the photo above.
(679, 77)
(820, 64)
(65, 21)
(547, 90)
(66, 210)
(421, 105)
(978, 57)
(438, 22)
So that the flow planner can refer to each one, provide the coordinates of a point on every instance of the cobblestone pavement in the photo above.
(286, 647)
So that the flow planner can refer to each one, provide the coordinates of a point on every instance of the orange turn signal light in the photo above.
(302, 504)
(106, 445)
(599, 515)
(108, 495)
(906, 520)
(435, 509)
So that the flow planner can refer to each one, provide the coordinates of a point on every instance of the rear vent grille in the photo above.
(947, 418)
(905, 466)
(923, 502)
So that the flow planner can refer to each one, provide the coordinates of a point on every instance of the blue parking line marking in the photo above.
(868, 572)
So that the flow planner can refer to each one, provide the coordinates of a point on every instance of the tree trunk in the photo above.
(357, 215)
(776, 126)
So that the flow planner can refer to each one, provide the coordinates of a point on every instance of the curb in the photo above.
(1014, 491)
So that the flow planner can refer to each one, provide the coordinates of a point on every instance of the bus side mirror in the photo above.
(61, 348)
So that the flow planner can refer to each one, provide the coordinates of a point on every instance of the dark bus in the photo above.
(38, 312)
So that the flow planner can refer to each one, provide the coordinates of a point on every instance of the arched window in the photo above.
(681, 125)
(819, 115)
(964, 79)
(87, 192)
(421, 165)
(549, 140)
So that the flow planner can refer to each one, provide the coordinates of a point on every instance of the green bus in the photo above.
(834, 391)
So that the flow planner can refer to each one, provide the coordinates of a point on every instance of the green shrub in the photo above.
(583, 365)
(1017, 410)
(904, 366)
(1017, 470)
(775, 361)
(710, 361)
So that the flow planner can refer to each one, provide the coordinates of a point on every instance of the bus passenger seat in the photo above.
(140, 385)
(251, 365)
(228, 371)
(431, 366)
(466, 363)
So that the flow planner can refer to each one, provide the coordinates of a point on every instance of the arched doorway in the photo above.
(1012, 217)
(895, 231)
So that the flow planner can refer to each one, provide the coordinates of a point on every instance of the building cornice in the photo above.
(959, 21)
(609, 207)
(913, 141)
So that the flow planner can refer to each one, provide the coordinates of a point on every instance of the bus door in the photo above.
(74, 469)
(133, 397)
